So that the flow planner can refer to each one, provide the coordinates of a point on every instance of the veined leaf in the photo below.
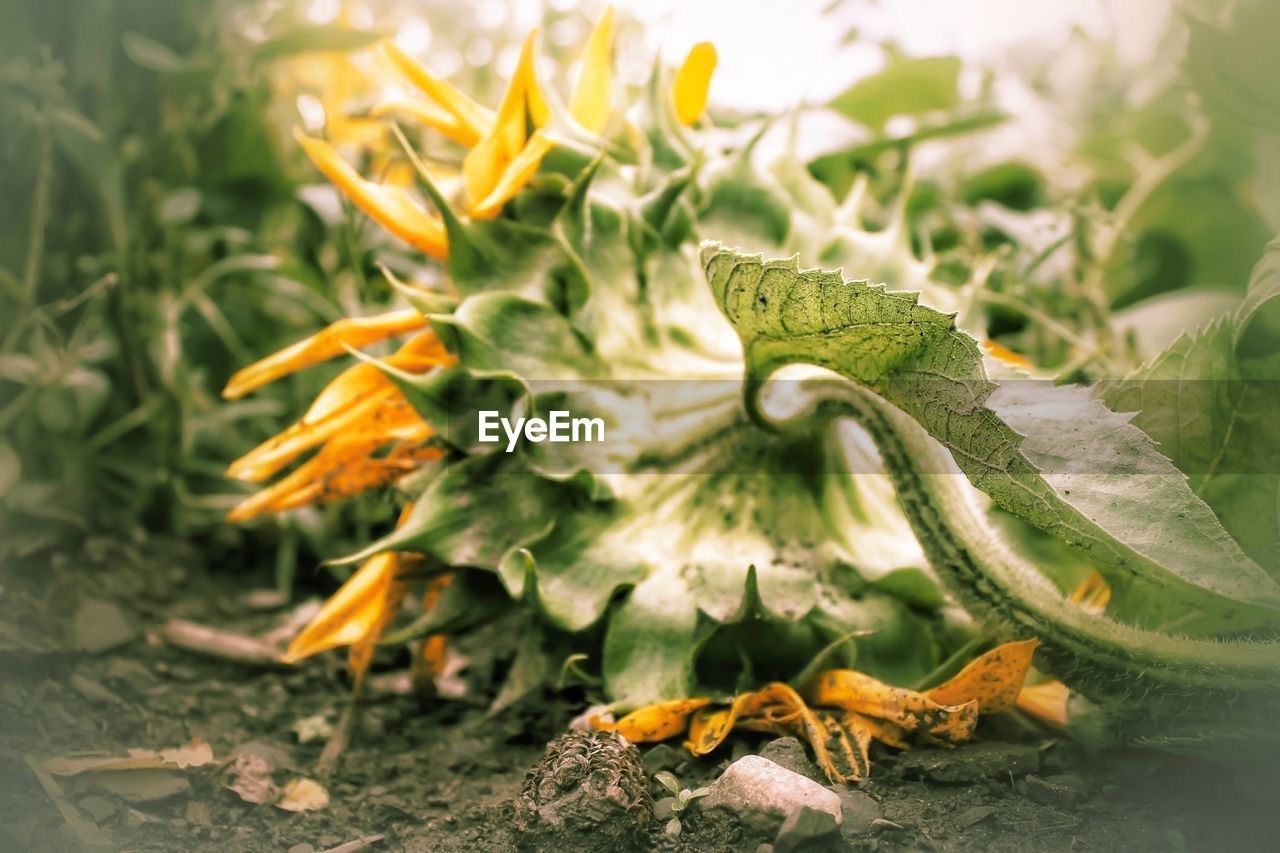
(1053, 456)
(1210, 400)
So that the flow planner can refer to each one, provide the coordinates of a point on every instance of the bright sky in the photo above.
(774, 54)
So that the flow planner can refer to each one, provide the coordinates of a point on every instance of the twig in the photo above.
(342, 733)
(217, 643)
(358, 844)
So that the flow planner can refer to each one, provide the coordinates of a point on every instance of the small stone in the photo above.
(805, 826)
(763, 794)
(1048, 793)
(302, 848)
(789, 752)
(974, 816)
(858, 809)
(972, 763)
(98, 809)
(100, 626)
(766, 847)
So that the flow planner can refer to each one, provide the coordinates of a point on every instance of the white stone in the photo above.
(763, 793)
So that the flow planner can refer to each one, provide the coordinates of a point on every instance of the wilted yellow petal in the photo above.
(517, 174)
(693, 80)
(593, 94)
(469, 120)
(354, 332)
(344, 467)
(430, 658)
(347, 616)
(993, 680)
(485, 164)
(848, 744)
(391, 207)
(1046, 701)
(855, 691)
(352, 398)
(654, 722)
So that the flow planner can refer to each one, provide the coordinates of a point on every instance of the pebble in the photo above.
(789, 752)
(804, 826)
(764, 794)
(858, 809)
(973, 763)
(973, 816)
(1048, 793)
(99, 626)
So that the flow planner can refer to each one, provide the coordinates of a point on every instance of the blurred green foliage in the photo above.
(156, 242)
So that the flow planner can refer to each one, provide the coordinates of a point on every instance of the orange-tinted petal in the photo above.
(693, 81)
(348, 615)
(431, 656)
(354, 332)
(593, 94)
(993, 680)
(470, 120)
(342, 468)
(855, 691)
(1008, 356)
(654, 722)
(389, 206)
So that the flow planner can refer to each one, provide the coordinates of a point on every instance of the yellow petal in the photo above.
(692, 82)
(390, 207)
(862, 694)
(354, 332)
(485, 164)
(1008, 356)
(431, 115)
(517, 174)
(593, 94)
(1046, 701)
(654, 722)
(470, 120)
(1093, 594)
(348, 615)
(993, 680)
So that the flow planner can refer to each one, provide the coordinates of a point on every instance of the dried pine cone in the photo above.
(589, 789)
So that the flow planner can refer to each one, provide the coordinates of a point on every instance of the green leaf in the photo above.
(1054, 456)
(156, 57)
(1210, 402)
(316, 39)
(904, 87)
(1235, 69)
